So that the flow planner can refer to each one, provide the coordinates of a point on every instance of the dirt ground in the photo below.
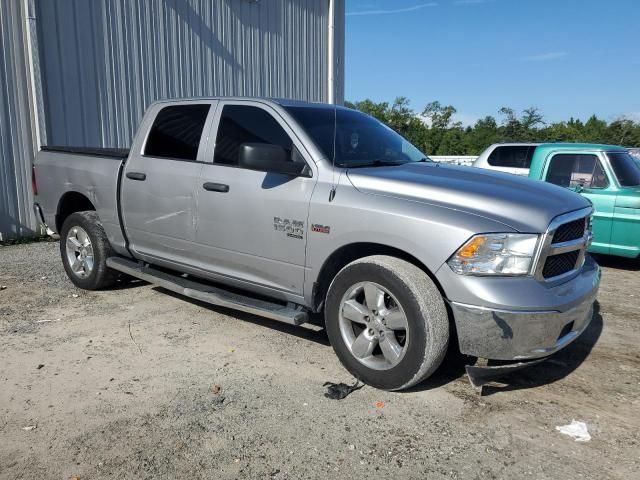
(135, 382)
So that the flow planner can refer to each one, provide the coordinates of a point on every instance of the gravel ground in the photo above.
(135, 382)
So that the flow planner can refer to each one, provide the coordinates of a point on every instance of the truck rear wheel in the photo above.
(84, 248)
(387, 322)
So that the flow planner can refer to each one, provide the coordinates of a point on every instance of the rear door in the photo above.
(159, 185)
(253, 227)
(583, 172)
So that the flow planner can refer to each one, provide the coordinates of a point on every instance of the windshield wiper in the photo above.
(374, 163)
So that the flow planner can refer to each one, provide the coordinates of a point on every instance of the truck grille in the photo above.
(564, 245)
(570, 231)
(556, 265)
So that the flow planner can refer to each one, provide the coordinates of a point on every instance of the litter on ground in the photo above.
(338, 391)
(577, 430)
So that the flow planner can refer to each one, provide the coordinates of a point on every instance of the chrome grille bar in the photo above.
(548, 249)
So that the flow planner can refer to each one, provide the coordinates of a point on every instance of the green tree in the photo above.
(484, 133)
(436, 132)
(595, 130)
(624, 132)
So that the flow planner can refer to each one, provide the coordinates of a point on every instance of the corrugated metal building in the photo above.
(76, 72)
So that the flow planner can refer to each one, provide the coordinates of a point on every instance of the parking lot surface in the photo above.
(135, 382)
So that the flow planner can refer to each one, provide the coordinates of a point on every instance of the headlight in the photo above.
(496, 254)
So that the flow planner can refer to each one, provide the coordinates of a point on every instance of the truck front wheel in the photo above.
(387, 322)
(84, 248)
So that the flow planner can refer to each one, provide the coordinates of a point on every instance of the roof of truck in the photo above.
(579, 146)
(285, 102)
(288, 102)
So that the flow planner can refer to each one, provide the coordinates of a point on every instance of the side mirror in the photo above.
(265, 157)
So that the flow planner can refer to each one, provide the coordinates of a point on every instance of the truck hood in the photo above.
(523, 204)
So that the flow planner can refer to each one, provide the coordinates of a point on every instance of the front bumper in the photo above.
(527, 333)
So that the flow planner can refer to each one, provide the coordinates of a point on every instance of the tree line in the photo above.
(435, 131)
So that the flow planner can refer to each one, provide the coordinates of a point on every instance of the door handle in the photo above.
(137, 176)
(216, 187)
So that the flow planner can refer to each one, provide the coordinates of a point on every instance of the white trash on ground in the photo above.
(577, 430)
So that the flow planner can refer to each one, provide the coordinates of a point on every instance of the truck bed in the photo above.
(115, 153)
(92, 172)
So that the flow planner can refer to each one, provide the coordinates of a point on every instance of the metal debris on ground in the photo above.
(30, 427)
(577, 430)
(48, 320)
(338, 391)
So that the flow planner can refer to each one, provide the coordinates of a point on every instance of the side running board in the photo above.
(289, 313)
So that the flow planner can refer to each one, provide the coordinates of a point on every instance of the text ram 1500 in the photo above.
(284, 208)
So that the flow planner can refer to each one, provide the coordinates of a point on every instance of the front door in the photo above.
(159, 183)
(252, 225)
(584, 173)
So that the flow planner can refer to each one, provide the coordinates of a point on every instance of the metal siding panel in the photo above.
(16, 125)
(106, 61)
(103, 62)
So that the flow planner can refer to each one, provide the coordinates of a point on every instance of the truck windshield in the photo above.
(626, 169)
(354, 139)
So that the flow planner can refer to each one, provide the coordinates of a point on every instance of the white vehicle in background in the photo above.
(507, 157)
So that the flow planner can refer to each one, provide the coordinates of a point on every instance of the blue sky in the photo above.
(567, 57)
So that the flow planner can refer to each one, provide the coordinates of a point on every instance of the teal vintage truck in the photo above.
(610, 178)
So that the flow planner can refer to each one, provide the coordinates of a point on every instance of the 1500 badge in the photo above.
(293, 228)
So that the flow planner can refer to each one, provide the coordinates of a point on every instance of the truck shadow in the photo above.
(551, 370)
(557, 366)
(620, 263)
(125, 282)
(311, 331)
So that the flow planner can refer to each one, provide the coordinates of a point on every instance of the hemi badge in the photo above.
(320, 228)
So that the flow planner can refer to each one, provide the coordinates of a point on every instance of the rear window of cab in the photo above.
(512, 156)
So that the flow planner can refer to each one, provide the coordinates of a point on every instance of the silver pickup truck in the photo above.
(284, 209)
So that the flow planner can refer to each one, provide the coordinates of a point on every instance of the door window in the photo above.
(573, 169)
(512, 156)
(176, 132)
(625, 168)
(243, 124)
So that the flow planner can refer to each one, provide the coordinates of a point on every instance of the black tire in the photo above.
(426, 314)
(100, 276)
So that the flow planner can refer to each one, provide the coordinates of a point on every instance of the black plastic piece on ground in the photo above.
(481, 375)
(338, 391)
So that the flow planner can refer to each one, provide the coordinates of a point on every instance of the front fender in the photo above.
(429, 233)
